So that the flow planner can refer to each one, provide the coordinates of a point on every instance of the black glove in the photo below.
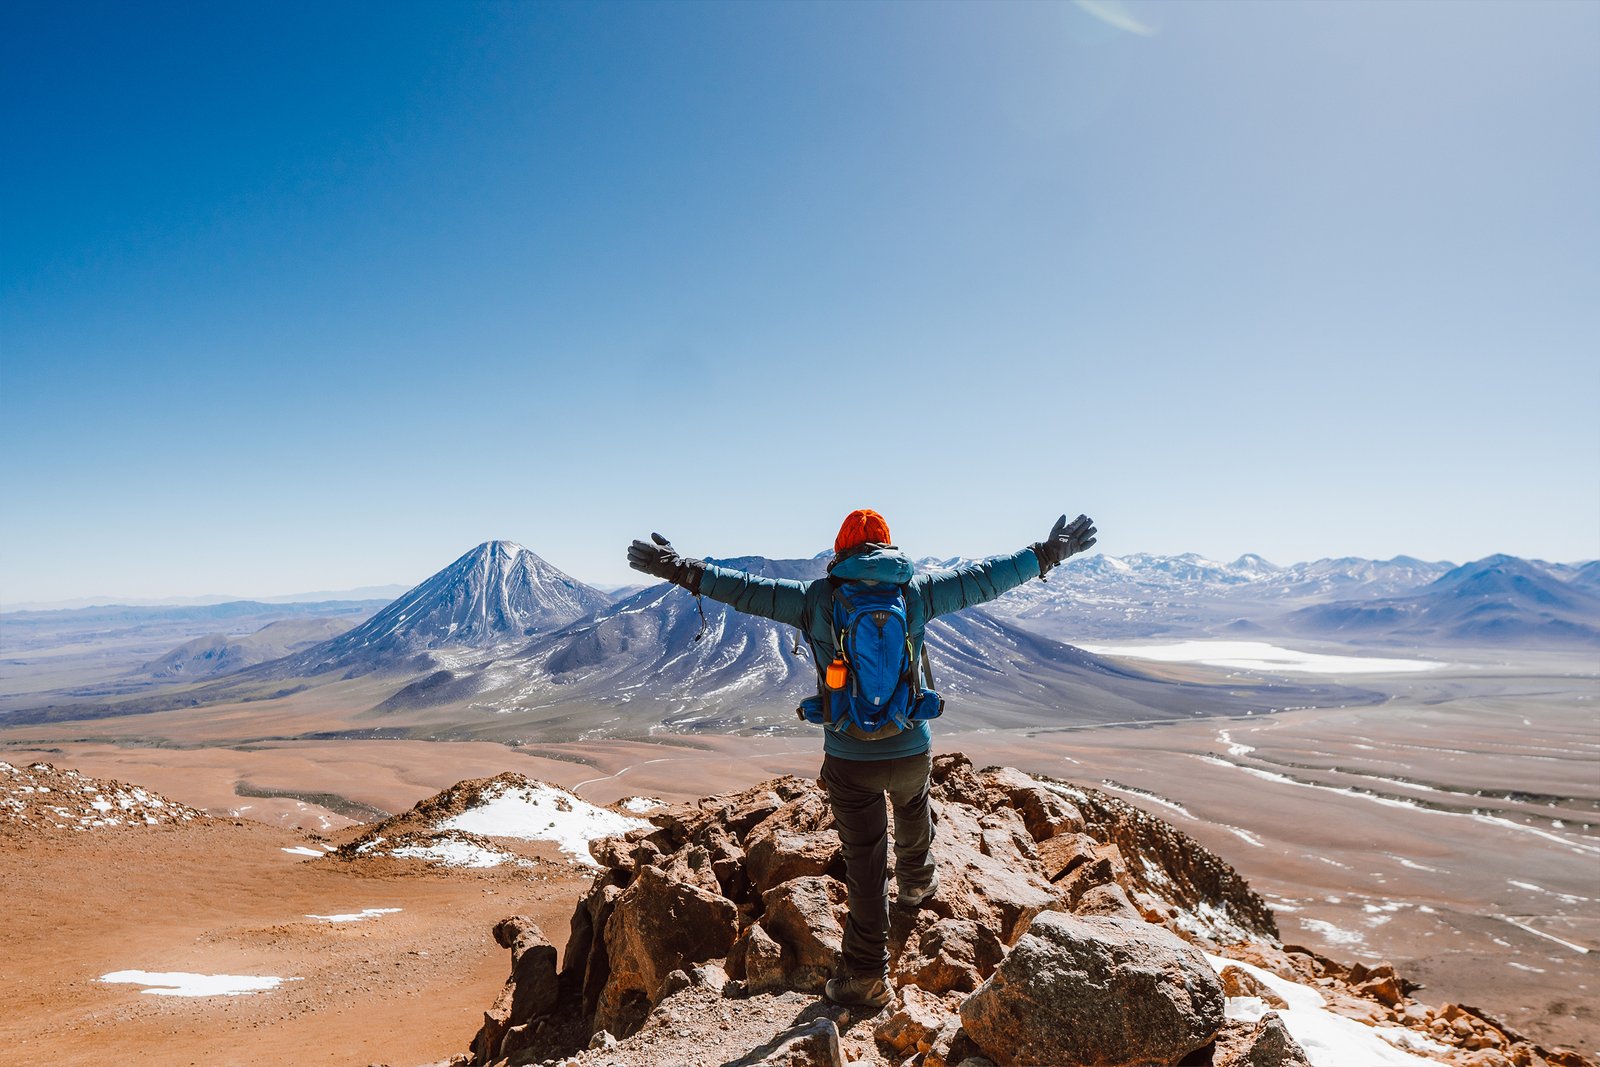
(663, 561)
(1065, 540)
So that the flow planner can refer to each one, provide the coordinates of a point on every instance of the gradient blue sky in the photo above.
(306, 296)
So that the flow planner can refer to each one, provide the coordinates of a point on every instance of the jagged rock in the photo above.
(530, 993)
(915, 1023)
(1095, 990)
(1264, 1043)
(1108, 899)
(945, 955)
(657, 925)
(1046, 813)
(758, 960)
(1060, 855)
(794, 841)
(984, 873)
(812, 1044)
(805, 916)
(951, 1047)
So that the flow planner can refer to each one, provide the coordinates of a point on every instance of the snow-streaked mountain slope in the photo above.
(1498, 600)
(639, 661)
(497, 594)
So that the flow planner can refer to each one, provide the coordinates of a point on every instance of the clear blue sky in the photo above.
(300, 296)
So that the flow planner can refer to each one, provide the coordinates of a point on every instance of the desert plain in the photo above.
(1450, 828)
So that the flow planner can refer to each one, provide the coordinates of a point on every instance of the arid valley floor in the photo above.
(1453, 830)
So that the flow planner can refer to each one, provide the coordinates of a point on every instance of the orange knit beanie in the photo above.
(861, 526)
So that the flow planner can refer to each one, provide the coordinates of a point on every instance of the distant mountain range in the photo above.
(1501, 600)
(502, 641)
(215, 655)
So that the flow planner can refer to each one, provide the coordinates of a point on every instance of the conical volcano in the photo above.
(499, 593)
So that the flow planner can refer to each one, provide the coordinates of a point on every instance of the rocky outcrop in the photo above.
(44, 799)
(1095, 990)
(1068, 928)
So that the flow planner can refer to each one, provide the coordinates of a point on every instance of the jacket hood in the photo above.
(874, 563)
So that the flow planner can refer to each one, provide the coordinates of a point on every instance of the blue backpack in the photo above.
(873, 688)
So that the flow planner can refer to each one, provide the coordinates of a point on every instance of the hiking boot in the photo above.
(912, 896)
(864, 991)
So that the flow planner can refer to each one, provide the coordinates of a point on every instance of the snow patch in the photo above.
(1329, 1040)
(301, 850)
(188, 984)
(540, 812)
(355, 916)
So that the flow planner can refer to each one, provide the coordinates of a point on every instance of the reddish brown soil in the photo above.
(222, 898)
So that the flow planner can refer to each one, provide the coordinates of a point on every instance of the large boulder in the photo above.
(1099, 991)
(657, 925)
(806, 917)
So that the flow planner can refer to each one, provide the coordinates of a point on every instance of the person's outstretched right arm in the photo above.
(771, 598)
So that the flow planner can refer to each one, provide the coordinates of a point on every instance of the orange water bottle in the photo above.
(836, 674)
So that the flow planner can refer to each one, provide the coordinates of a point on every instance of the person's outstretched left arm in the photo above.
(771, 598)
(976, 583)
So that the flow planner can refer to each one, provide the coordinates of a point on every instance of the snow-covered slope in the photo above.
(498, 594)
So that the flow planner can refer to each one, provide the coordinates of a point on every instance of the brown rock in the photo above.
(656, 926)
(1059, 855)
(529, 994)
(952, 1047)
(812, 1044)
(1238, 982)
(915, 1023)
(1046, 812)
(1095, 990)
(950, 955)
(758, 960)
(795, 841)
(1264, 1043)
(1108, 899)
(985, 876)
(1383, 987)
(804, 915)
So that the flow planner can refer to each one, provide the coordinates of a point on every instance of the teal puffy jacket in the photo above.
(808, 606)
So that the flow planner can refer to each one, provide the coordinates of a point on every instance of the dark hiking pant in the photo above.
(855, 791)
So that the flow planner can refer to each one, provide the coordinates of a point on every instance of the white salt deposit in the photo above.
(1260, 656)
(301, 850)
(1329, 1040)
(540, 812)
(186, 984)
(357, 916)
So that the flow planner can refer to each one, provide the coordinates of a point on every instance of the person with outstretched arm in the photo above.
(865, 625)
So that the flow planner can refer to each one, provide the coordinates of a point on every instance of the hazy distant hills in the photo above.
(219, 654)
(639, 662)
(1500, 600)
(496, 594)
(1119, 597)
(501, 640)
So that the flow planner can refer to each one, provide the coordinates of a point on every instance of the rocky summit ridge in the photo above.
(1070, 928)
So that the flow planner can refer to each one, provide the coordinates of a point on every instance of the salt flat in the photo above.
(1260, 656)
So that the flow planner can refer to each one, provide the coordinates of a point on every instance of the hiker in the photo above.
(864, 623)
